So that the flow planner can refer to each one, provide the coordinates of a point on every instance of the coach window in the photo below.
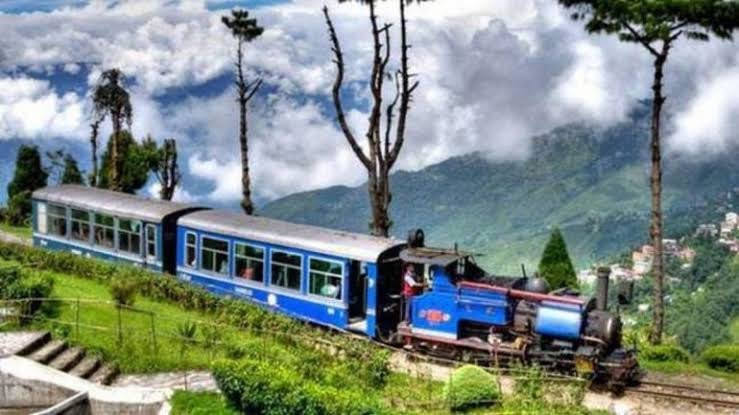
(286, 270)
(129, 236)
(214, 255)
(191, 242)
(80, 225)
(151, 241)
(325, 278)
(249, 262)
(104, 231)
(57, 220)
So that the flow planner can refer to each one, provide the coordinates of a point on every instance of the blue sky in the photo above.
(493, 74)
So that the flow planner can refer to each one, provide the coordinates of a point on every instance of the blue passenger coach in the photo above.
(107, 225)
(315, 274)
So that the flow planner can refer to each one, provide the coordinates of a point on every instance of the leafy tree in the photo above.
(657, 25)
(555, 265)
(167, 170)
(63, 168)
(139, 159)
(110, 98)
(29, 175)
(244, 30)
(71, 173)
(383, 149)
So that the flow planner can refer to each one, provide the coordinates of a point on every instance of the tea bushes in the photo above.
(471, 386)
(665, 353)
(17, 284)
(263, 387)
(724, 357)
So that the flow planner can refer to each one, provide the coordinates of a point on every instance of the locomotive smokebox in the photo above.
(601, 288)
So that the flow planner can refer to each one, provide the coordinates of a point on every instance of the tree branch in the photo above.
(640, 38)
(406, 89)
(336, 92)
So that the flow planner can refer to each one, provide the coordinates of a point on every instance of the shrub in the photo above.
(16, 284)
(123, 289)
(665, 353)
(471, 386)
(724, 357)
(265, 388)
(19, 209)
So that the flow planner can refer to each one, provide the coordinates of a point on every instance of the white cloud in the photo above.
(710, 122)
(31, 109)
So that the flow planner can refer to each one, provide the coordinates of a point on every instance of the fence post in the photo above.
(77, 320)
(154, 335)
(120, 331)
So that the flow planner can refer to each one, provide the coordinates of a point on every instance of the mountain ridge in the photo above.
(591, 182)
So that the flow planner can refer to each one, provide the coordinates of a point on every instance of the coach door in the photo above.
(357, 292)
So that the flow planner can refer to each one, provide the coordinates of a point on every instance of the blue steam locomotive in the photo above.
(343, 280)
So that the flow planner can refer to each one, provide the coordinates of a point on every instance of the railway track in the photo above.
(716, 397)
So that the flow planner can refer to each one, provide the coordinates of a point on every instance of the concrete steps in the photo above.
(73, 360)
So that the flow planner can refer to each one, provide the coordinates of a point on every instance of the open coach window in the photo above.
(214, 255)
(57, 220)
(129, 236)
(286, 270)
(191, 242)
(104, 231)
(80, 225)
(249, 262)
(326, 278)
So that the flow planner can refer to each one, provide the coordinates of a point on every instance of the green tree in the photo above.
(71, 173)
(555, 265)
(110, 98)
(139, 159)
(384, 142)
(244, 30)
(29, 175)
(657, 25)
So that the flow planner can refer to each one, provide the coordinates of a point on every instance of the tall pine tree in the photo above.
(71, 173)
(555, 265)
(29, 176)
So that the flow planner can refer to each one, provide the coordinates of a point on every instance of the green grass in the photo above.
(21, 231)
(691, 369)
(200, 403)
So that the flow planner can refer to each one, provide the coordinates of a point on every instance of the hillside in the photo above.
(593, 183)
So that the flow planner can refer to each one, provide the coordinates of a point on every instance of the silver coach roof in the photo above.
(310, 238)
(106, 201)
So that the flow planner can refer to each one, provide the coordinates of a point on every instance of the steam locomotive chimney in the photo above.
(601, 288)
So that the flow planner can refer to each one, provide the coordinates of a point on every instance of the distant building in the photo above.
(586, 276)
(707, 229)
(670, 247)
(686, 255)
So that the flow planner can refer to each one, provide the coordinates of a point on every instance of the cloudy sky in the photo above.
(492, 73)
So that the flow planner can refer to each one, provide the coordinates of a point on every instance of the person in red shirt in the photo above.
(411, 287)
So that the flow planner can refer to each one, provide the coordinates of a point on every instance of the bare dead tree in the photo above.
(244, 29)
(94, 127)
(167, 170)
(382, 148)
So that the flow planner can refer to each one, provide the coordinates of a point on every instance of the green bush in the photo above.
(19, 209)
(469, 387)
(16, 284)
(724, 357)
(665, 353)
(124, 290)
(266, 388)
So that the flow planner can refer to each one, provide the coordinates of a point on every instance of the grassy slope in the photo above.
(22, 231)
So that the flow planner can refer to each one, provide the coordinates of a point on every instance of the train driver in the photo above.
(411, 287)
